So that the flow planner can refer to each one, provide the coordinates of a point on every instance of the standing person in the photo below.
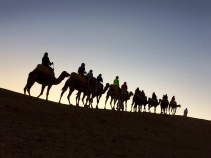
(81, 69)
(185, 112)
(46, 62)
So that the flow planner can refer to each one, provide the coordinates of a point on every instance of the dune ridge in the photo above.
(39, 128)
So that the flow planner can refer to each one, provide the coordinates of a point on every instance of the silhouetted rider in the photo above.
(46, 62)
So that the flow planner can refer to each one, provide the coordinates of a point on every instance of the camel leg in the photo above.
(113, 108)
(131, 108)
(106, 101)
(42, 89)
(98, 100)
(87, 100)
(49, 87)
(63, 90)
(83, 98)
(68, 96)
(125, 106)
(28, 87)
(78, 98)
(115, 100)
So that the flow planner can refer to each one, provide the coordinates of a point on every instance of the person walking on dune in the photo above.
(185, 112)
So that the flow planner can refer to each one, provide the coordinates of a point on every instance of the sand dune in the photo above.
(39, 128)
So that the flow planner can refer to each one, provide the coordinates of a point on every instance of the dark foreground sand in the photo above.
(36, 128)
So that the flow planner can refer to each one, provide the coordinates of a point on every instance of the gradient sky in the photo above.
(160, 46)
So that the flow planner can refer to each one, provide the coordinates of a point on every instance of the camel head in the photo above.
(65, 74)
(130, 94)
(107, 86)
(61, 77)
(179, 106)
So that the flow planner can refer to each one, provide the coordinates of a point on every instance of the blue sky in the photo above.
(160, 46)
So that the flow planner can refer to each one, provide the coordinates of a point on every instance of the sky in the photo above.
(160, 46)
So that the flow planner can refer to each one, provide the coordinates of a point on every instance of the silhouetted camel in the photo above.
(123, 98)
(44, 79)
(152, 103)
(173, 107)
(75, 82)
(98, 94)
(163, 105)
(113, 92)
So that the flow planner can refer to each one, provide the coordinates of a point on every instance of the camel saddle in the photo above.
(114, 87)
(124, 92)
(45, 69)
(165, 100)
(78, 76)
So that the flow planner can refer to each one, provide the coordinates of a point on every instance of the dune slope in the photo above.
(39, 128)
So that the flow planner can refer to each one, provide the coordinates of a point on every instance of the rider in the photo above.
(173, 100)
(46, 62)
(165, 98)
(136, 95)
(116, 82)
(89, 76)
(154, 96)
(124, 87)
(142, 93)
(81, 70)
(100, 79)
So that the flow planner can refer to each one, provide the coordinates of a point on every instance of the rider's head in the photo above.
(117, 77)
(90, 70)
(100, 74)
(125, 82)
(46, 54)
(82, 64)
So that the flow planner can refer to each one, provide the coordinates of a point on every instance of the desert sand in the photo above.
(39, 128)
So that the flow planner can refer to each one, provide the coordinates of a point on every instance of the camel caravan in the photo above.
(91, 88)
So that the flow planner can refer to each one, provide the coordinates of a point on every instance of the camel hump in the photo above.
(45, 69)
(78, 76)
(114, 87)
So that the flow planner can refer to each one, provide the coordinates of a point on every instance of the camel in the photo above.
(152, 103)
(75, 82)
(90, 91)
(44, 79)
(173, 107)
(144, 102)
(123, 98)
(137, 99)
(113, 92)
(163, 105)
(98, 94)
